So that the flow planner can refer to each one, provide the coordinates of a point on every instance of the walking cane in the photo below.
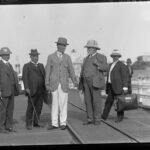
(33, 107)
(1, 99)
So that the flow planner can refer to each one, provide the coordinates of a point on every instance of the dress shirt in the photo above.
(111, 68)
(36, 64)
(92, 54)
(59, 54)
(5, 62)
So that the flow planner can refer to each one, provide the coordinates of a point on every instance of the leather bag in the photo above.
(126, 102)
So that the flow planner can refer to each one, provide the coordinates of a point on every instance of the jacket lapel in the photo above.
(41, 69)
(56, 57)
(5, 68)
(83, 64)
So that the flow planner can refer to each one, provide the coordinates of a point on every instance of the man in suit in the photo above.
(130, 71)
(58, 70)
(92, 81)
(34, 84)
(117, 84)
(9, 88)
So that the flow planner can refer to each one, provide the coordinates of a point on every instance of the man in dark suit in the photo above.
(9, 88)
(117, 83)
(34, 83)
(130, 72)
(92, 81)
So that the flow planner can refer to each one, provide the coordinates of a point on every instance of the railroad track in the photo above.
(132, 139)
(75, 136)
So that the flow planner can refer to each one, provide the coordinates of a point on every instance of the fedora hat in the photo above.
(93, 44)
(115, 52)
(5, 51)
(34, 52)
(62, 41)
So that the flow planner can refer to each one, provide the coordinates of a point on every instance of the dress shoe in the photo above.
(118, 120)
(63, 127)
(10, 130)
(51, 127)
(97, 123)
(3, 131)
(37, 125)
(29, 127)
(103, 118)
(87, 123)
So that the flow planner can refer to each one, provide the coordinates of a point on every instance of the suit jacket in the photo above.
(59, 71)
(130, 73)
(119, 77)
(100, 62)
(30, 78)
(5, 81)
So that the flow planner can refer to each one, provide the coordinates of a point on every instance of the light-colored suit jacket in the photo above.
(59, 71)
(100, 62)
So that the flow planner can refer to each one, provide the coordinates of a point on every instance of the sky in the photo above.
(121, 25)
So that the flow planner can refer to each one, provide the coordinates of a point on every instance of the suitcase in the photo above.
(126, 102)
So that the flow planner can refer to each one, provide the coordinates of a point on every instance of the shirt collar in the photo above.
(59, 53)
(34, 63)
(93, 54)
(4, 61)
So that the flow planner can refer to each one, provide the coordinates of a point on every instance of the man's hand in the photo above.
(75, 84)
(27, 91)
(125, 90)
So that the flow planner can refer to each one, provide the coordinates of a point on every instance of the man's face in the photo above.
(61, 48)
(115, 58)
(128, 63)
(34, 58)
(91, 50)
(6, 57)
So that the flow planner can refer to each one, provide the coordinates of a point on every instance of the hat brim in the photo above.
(113, 55)
(61, 43)
(34, 54)
(5, 54)
(92, 47)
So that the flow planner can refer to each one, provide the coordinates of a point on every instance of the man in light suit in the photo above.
(58, 70)
(9, 87)
(117, 84)
(92, 82)
(34, 83)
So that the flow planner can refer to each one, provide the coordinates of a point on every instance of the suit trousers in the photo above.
(37, 100)
(92, 98)
(6, 112)
(59, 107)
(108, 104)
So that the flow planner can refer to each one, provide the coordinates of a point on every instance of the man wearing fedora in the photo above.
(117, 84)
(34, 83)
(58, 70)
(9, 87)
(130, 72)
(92, 82)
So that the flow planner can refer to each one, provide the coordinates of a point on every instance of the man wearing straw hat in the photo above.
(58, 70)
(117, 83)
(92, 82)
(34, 83)
(9, 88)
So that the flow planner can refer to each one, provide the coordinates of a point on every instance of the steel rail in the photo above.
(122, 132)
(76, 137)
